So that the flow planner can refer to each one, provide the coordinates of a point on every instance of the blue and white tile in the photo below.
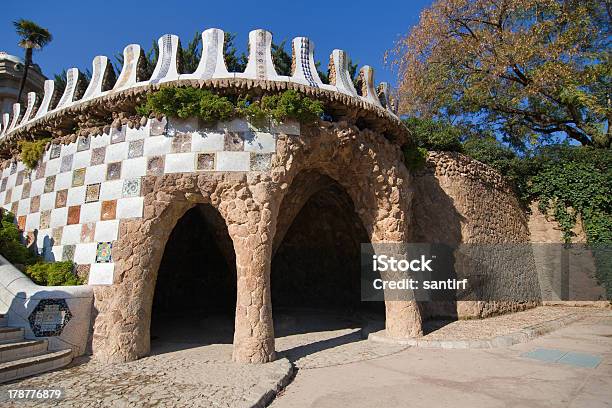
(76, 196)
(129, 207)
(71, 234)
(135, 167)
(85, 253)
(59, 217)
(233, 161)
(157, 145)
(179, 163)
(106, 231)
(95, 174)
(208, 142)
(101, 274)
(90, 212)
(111, 190)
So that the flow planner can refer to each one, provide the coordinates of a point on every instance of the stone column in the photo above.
(254, 330)
(403, 319)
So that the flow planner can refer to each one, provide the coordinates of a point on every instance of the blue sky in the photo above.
(84, 29)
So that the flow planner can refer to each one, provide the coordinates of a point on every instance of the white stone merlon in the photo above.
(128, 76)
(100, 65)
(304, 67)
(368, 91)
(340, 76)
(5, 123)
(212, 63)
(46, 102)
(30, 107)
(16, 112)
(166, 68)
(67, 99)
(260, 64)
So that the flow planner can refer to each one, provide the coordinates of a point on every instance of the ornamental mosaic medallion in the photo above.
(49, 317)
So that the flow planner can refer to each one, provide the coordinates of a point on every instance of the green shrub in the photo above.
(42, 273)
(10, 242)
(292, 105)
(414, 157)
(31, 152)
(188, 102)
(211, 108)
(253, 112)
(53, 274)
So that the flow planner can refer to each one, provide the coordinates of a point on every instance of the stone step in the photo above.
(10, 334)
(22, 349)
(25, 367)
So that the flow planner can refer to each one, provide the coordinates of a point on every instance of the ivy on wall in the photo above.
(568, 182)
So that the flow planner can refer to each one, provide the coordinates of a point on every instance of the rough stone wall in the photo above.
(460, 201)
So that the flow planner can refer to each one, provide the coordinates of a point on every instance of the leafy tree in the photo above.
(31, 37)
(282, 60)
(530, 69)
(434, 135)
(235, 62)
(190, 56)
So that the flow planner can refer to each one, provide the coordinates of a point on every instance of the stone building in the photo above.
(11, 70)
(180, 216)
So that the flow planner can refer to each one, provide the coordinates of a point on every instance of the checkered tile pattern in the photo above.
(72, 203)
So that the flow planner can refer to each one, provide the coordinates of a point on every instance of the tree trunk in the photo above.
(26, 67)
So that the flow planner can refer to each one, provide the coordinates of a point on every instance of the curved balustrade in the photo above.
(260, 66)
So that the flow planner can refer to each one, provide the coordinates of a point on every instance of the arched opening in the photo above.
(195, 293)
(316, 266)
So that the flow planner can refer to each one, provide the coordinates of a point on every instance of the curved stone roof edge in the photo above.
(392, 122)
(260, 68)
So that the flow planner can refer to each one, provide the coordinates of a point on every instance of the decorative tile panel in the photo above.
(136, 148)
(97, 155)
(131, 188)
(49, 184)
(92, 193)
(113, 171)
(60, 198)
(78, 177)
(83, 143)
(205, 161)
(103, 252)
(117, 135)
(109, 209)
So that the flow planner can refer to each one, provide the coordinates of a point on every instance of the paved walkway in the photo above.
(490, 378)
(337, 368)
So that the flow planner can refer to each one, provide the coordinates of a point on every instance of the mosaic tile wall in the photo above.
(72, 203)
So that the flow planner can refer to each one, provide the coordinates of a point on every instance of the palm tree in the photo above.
(32, 36)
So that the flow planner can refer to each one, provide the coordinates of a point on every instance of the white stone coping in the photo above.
(19, 296)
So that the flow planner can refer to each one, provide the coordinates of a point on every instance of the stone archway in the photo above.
(195, 290)
(370, 169)
(316, 264)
